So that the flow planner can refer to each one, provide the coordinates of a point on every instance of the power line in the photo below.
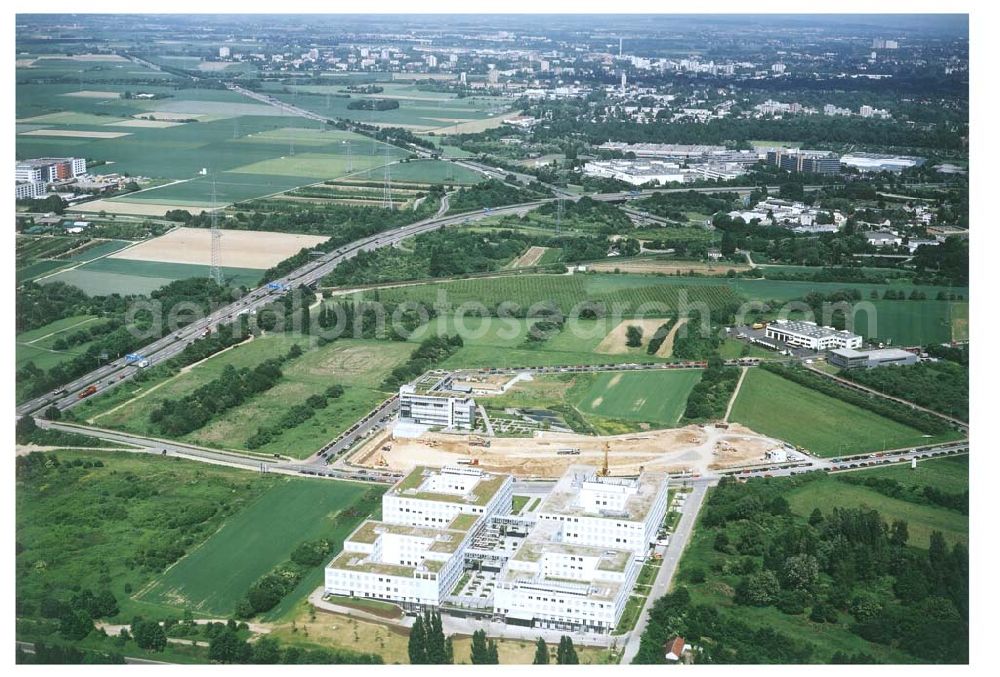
(215, 272)
(387, 182)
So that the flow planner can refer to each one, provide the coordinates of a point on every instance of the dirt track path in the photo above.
(667, 348)
(736, 392)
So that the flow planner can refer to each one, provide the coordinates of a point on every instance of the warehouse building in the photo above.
(847, 358)
(802, 334)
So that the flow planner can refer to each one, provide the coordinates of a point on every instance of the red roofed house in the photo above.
(676, 648)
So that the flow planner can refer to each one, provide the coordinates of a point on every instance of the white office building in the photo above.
(802, 334)
(28, 190)
(415, 555)
(577, 567)
(636, 172)
(437, 406)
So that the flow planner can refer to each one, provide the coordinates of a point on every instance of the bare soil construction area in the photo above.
(529, 258)
(693, 448)
(614, 342)
(240, 248)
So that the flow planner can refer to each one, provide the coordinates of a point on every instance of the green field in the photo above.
(250, 149)
(81, 526)
(213, 578)
(36, 345)
(495, 342)
(821, 424)
(426, 171)
(948, 473)
(125, 276)
(921, 519)
(419, 109)
(567, 292)
(656, 398)
(358, 365)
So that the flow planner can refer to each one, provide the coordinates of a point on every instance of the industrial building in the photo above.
(847, 358)
(435, 401)
(805, 161)
(802, 334)
(636, 172)
(873, 162)
(570, 565)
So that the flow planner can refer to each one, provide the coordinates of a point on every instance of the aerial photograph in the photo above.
(517, 339)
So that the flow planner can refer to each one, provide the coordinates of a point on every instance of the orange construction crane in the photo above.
(604, 472)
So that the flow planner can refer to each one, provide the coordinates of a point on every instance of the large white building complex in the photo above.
(435, 401)
(802, 334)
(415, 555)
(569, 564)
(577, 567)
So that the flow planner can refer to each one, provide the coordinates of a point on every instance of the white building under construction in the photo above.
(570, 564)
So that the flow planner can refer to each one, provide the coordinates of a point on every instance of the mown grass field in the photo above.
(654, 398)
(212, 579)
(949, 473)
(821, 424)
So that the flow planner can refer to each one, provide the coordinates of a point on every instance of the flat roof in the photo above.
(563, 499)
(876, 354)
(486, 488)
(810, 329)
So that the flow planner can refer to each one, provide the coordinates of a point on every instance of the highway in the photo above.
(115, 372)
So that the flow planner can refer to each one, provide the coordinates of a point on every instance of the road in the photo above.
(678, 541)
(115, 372)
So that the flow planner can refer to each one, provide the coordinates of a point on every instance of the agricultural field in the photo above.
(253, 150)
(821, 424)
(425, 172)
(37, 256)
(419, 111)
(656, 399)
(212, 579)
(568, 291)
(357, 365)
(258, 250)
(117, 276)
(80, 526)
(610, 403)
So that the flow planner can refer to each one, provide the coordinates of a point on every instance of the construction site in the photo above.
(693, 449)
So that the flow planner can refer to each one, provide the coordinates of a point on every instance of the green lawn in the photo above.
(821, 424)
(213, 578)
(657, 398)
(36, 345)
(949, 473)
(426, 171)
